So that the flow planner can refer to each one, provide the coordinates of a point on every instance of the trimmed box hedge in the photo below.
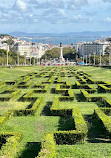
(48, 147)
(106, 120)
(12, 94)
(103, 88)
(9, 149)
(73, 136)
(5, 117)
(31, 111)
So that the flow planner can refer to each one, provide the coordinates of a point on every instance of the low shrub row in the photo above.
(31, 111)
(103, 88)
(80, 124)
(55, 104)
(82, 80)
(24, 85)
(106, 102)
(106, 120)
(48, 147)
(9, 148)
(11, 95)
(5, 117)
(101, 99)
(78, 85)
(41, 90)
(85, 94)
(90, 80)
(50, 80)
(73, 136)
(66, 86)
(69, 137)
(60, 90)
(14, 94)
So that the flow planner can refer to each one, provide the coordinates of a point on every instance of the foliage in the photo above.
(104, 118)
(104, 59)
(9, 149)
(10, 42)
(48, 147)
(54, 53)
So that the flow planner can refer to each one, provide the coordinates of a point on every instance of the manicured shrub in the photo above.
(103, 88)
(48, 147)
(30, 111)
(73, 136)
(5, 117)
(9, 149)
(69, 137)
(80, 124)
(106, 120)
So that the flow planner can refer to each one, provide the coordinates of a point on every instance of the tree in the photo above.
(108, 39)
(10, 42)
(54, 53)
(108, 49)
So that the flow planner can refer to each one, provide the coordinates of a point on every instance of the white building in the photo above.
(38, 49)
(93, 48)
(23, 49)
(4, 46)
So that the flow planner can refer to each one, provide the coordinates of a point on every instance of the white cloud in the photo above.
(79, 19)
(62, 12)
(21, 5)
(107, 19)
(75, 4)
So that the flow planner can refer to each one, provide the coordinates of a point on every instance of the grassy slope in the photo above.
(34, 127)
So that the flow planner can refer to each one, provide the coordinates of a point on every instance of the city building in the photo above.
(23, 49)
(86, 48)
(4, 46)
(38, 49)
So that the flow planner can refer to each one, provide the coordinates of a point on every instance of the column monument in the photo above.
(61, 54)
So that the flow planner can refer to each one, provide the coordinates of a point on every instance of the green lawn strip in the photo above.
(86, 150)
(13, 73)
(5, 106)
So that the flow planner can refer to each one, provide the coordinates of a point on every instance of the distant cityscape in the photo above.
(37, 50)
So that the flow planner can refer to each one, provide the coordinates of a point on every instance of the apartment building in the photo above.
(92, 48)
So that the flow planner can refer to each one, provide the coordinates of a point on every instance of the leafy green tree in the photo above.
(54, 53)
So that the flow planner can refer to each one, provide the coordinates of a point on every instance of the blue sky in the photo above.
(55, 16)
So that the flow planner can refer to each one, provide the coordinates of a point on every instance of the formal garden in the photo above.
(55, 112)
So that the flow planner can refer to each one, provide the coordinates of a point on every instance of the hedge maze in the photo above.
(67, 90)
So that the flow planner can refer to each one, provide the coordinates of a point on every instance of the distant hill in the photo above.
(75, 34)
(3, 35)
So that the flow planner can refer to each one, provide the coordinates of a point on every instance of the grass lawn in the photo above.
(35, 127)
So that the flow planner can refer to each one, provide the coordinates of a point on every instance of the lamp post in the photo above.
(109, 55)
(94, 57)
(7, 54)
(18, 58)
(25, 53)
(86, 59)
(100, 56)
(34, 61)
(30, 60)
(37, 60)
(83, 59)
(89, 59)
(109, 58)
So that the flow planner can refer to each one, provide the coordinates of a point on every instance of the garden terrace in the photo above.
(55, 112)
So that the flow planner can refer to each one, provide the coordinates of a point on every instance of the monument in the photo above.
(61, 54)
